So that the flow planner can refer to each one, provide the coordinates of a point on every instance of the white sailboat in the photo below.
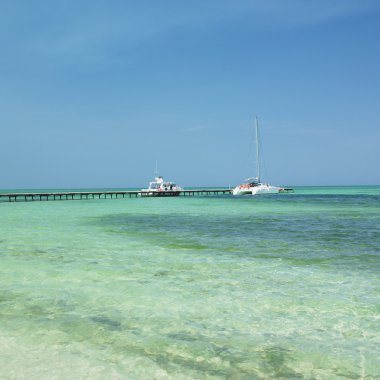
(254, 186)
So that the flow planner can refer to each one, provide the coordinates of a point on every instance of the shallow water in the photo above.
(192, 287)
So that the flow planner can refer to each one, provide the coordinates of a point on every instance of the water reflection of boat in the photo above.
(161, 188)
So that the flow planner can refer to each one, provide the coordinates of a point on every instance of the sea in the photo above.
(207, 287)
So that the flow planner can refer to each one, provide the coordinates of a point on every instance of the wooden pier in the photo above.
(82, 195)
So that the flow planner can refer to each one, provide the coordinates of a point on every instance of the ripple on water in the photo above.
(283, 287)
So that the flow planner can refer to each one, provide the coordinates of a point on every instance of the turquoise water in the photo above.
(271, 287)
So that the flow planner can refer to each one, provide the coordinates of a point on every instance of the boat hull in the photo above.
(239, 191)
(257, 190)
(170, 193)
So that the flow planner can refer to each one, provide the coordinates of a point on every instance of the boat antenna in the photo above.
(257, 151)
(156, 171)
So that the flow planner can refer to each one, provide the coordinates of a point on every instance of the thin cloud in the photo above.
(230, 126)
(198, 128)
(89, 29)
(306, 131)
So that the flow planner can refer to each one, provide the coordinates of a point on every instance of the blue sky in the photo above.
(94, 92)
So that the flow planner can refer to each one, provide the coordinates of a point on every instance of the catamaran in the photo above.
(253, 185)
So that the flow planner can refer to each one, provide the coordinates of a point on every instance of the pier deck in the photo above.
(81, 195)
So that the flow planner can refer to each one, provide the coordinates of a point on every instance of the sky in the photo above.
(94, 92)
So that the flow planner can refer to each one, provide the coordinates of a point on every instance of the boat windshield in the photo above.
(168, 185)
(154, 185)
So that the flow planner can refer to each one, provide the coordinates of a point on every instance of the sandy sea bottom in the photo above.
(281, 287)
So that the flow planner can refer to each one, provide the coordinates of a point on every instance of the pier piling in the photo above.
(81, 195)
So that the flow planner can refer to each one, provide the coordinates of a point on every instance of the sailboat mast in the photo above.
(257, 151)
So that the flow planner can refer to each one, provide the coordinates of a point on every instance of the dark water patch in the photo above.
(23, 308)
(224, 361)
(32, 251)
(262, 235)
(107, 322)
(184, 245)
(302, 229)
(183, 336)
(338, 201)
(162, 273)
(300, 261)
(9, 296)
(274, 361)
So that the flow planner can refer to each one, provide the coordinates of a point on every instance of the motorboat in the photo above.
(161, 188)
